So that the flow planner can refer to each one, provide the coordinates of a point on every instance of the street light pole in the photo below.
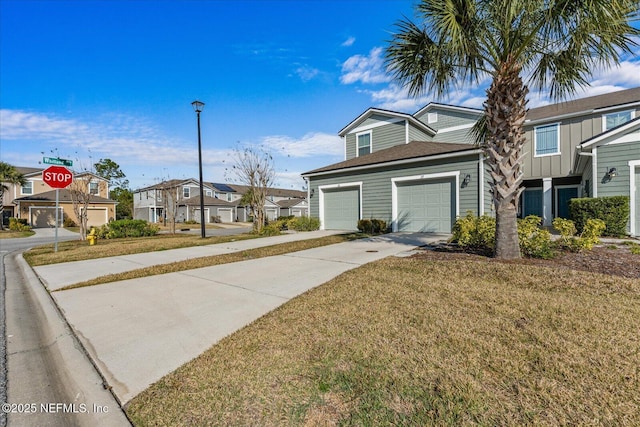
(197, 106)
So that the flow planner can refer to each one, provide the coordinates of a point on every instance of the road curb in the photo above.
(79, 375)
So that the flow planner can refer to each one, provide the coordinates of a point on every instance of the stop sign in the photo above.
(57, 176)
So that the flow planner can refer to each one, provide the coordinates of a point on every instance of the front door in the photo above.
(563, 198)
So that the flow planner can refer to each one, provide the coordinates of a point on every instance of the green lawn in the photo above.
(414, 342)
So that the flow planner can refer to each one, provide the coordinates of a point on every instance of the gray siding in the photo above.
(418, 135)
(460, 136)
(381, 137)
(448, 118)
(616, 156)
(377, 187)
(573, 131)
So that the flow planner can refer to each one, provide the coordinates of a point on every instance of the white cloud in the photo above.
(365, 69)
(311, 144)
(348, 42)
(307, 73)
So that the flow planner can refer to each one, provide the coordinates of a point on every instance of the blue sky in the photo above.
(114, 79)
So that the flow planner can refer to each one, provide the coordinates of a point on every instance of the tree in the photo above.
(80, 198)
(254, 168)
(110, 170)
(120, 192)
(555, 44)
(9, 175)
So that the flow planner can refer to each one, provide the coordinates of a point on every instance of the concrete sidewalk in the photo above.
(139, 330)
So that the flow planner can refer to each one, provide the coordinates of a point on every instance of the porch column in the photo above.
(547, 213)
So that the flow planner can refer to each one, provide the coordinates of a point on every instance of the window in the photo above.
(609, 121)
(207, 193)
(186, 192)
(547, 140)
(229, 197)
(27, 188)
(93, 188)
(364, 143)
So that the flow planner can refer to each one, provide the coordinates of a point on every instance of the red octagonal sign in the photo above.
(57, 176)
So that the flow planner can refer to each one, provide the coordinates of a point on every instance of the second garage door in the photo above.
(341, 208)
(426, 206)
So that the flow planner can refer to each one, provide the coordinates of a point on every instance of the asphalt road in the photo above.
(34, 382)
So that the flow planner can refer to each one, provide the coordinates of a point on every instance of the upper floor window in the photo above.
(207, 193)
(27, 188)
(93, 188)
(609, 121)
(364, 143)
(186, 192)
(229, 197)
(547, 140)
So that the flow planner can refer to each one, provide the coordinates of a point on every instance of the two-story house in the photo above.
(35, 201)
(419, 171)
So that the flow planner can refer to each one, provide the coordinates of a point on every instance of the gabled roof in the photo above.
(276, 192)
(392, 114)
(225, 188)
(288, 203)
(173, 183)
(64, 197)
(587, 105)
(433, 105)
(414, 151)
(28, 171)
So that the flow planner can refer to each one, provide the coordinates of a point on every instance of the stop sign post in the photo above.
(57, 177)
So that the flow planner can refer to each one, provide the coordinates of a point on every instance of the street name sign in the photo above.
(57, 161)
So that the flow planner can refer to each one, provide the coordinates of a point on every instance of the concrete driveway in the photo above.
(139, 330)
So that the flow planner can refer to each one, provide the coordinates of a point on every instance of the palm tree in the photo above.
(554, 44)
(8, 175)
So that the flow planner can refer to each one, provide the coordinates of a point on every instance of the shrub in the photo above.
(303, 223)
(18, 224)
(68, 222)
(534, 241)
(273, 228)
(614, 211)
(588, 238)
(372, 226)
(477, 233)
(127, 228)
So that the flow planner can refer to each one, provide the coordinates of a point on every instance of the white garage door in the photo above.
(196, 215)
(426, 206)
(96, 217)
(225, 214)
(341, 209)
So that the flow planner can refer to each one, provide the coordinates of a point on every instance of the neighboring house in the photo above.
(35, 201)
(156, 202)
(221, 201)
(418, 172)
(295, 207)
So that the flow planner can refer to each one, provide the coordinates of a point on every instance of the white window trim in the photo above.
(425, 177)
(22, 187)
(97, 184)
(321, 190)
(432, 117)
(535, 140)
(633, 164)
(604, 117)
(186, 188)
(358, 135)
(555, 195)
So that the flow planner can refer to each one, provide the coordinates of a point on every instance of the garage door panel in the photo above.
(341, 209)
(426, 206)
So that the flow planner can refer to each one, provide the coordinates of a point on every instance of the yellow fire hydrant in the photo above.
(91, 237)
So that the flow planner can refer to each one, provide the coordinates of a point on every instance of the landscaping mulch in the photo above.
(610, 259)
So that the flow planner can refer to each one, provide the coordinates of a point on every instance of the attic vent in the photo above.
(432, 118)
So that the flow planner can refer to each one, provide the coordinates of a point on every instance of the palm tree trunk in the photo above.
(505, 113)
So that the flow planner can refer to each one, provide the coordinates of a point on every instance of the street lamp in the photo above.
(197, 107)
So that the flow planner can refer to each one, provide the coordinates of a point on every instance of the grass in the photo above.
(78, 250)
(208, 261)
(414, 342)
(10, 234)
